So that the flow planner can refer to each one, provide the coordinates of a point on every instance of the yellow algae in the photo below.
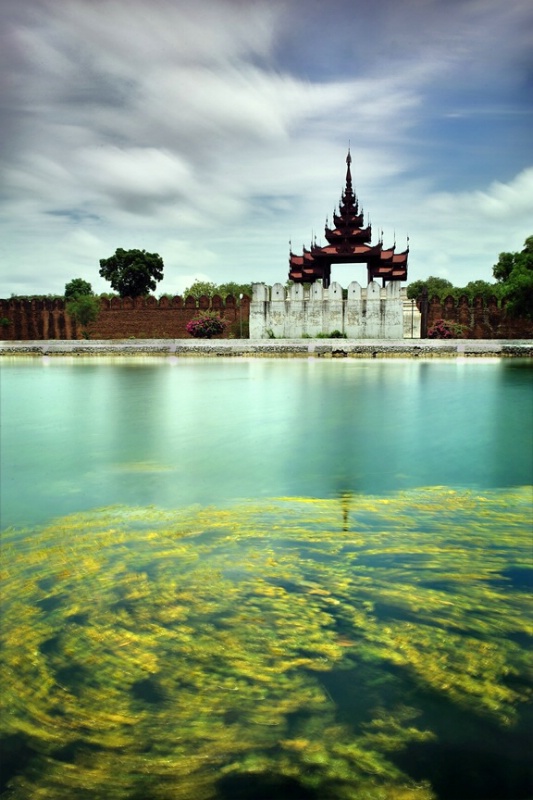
(148, 652)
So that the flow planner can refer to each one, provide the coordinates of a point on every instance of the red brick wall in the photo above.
(141, 318)
(482, 320)
(149, 318)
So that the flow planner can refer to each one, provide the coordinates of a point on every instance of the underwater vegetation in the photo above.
(296, 647)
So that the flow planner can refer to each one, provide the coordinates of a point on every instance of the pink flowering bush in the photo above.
(206, 325)
(442, 329)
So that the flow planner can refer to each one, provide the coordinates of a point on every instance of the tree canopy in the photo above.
(514, 272)
(209, 289)
(442, 288)
(132, 273)
(435, 286)
(77, 287)
(200, 289)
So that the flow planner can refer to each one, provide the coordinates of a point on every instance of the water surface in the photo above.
(266, 579)
(79, 433)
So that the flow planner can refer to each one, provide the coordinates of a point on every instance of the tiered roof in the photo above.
(348, 242)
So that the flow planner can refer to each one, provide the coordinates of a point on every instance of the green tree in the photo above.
(235, 289)
(85, 309)
(77, 287)
(514, 271)
(435, 286)
(132, 273)
(201, 289)
(480, 288)
(503, 268)
(209, 289)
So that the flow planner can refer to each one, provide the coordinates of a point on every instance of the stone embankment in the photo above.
(303, 348)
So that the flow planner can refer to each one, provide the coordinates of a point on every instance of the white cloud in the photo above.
(460, 235)
(172, 127)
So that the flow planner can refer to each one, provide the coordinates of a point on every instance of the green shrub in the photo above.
(84, 309)
(332, 335)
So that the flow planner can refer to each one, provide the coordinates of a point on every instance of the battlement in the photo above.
(373, 312)
(119, 317)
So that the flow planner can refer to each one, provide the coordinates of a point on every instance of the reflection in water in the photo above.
(327, 649)
(346, 501)
(84, 433)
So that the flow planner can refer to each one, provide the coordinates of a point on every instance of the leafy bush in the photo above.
(84, 309)
(332, 335)
(206, 325)
(443, 329)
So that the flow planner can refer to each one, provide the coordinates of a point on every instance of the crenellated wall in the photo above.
(371, 313)
(119, 318)
(479, 319)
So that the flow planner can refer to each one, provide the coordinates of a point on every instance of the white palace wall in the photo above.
(371, 313)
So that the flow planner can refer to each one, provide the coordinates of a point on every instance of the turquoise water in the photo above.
(266, 579)
(81, 433)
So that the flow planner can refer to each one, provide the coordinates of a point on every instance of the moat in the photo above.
(251, 578)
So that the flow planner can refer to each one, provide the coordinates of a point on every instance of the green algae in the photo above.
(152, 653)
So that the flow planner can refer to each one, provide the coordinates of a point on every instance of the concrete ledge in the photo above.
(303, 348)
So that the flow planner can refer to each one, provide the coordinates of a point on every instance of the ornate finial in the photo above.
(348, 190)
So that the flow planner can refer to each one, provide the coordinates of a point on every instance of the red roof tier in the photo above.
(348, 242)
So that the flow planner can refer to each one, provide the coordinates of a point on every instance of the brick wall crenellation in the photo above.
(149, 318)
(482, 319)
(119, 318)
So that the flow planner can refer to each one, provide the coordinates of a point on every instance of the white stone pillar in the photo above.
(295, 317)
(393, 322)
(373, 324)
(411, 317)
(335, 308)
(259, 311)
(353, 323)
(315, 309)
(278, 311)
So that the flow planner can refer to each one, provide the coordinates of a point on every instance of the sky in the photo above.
(215, 133)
